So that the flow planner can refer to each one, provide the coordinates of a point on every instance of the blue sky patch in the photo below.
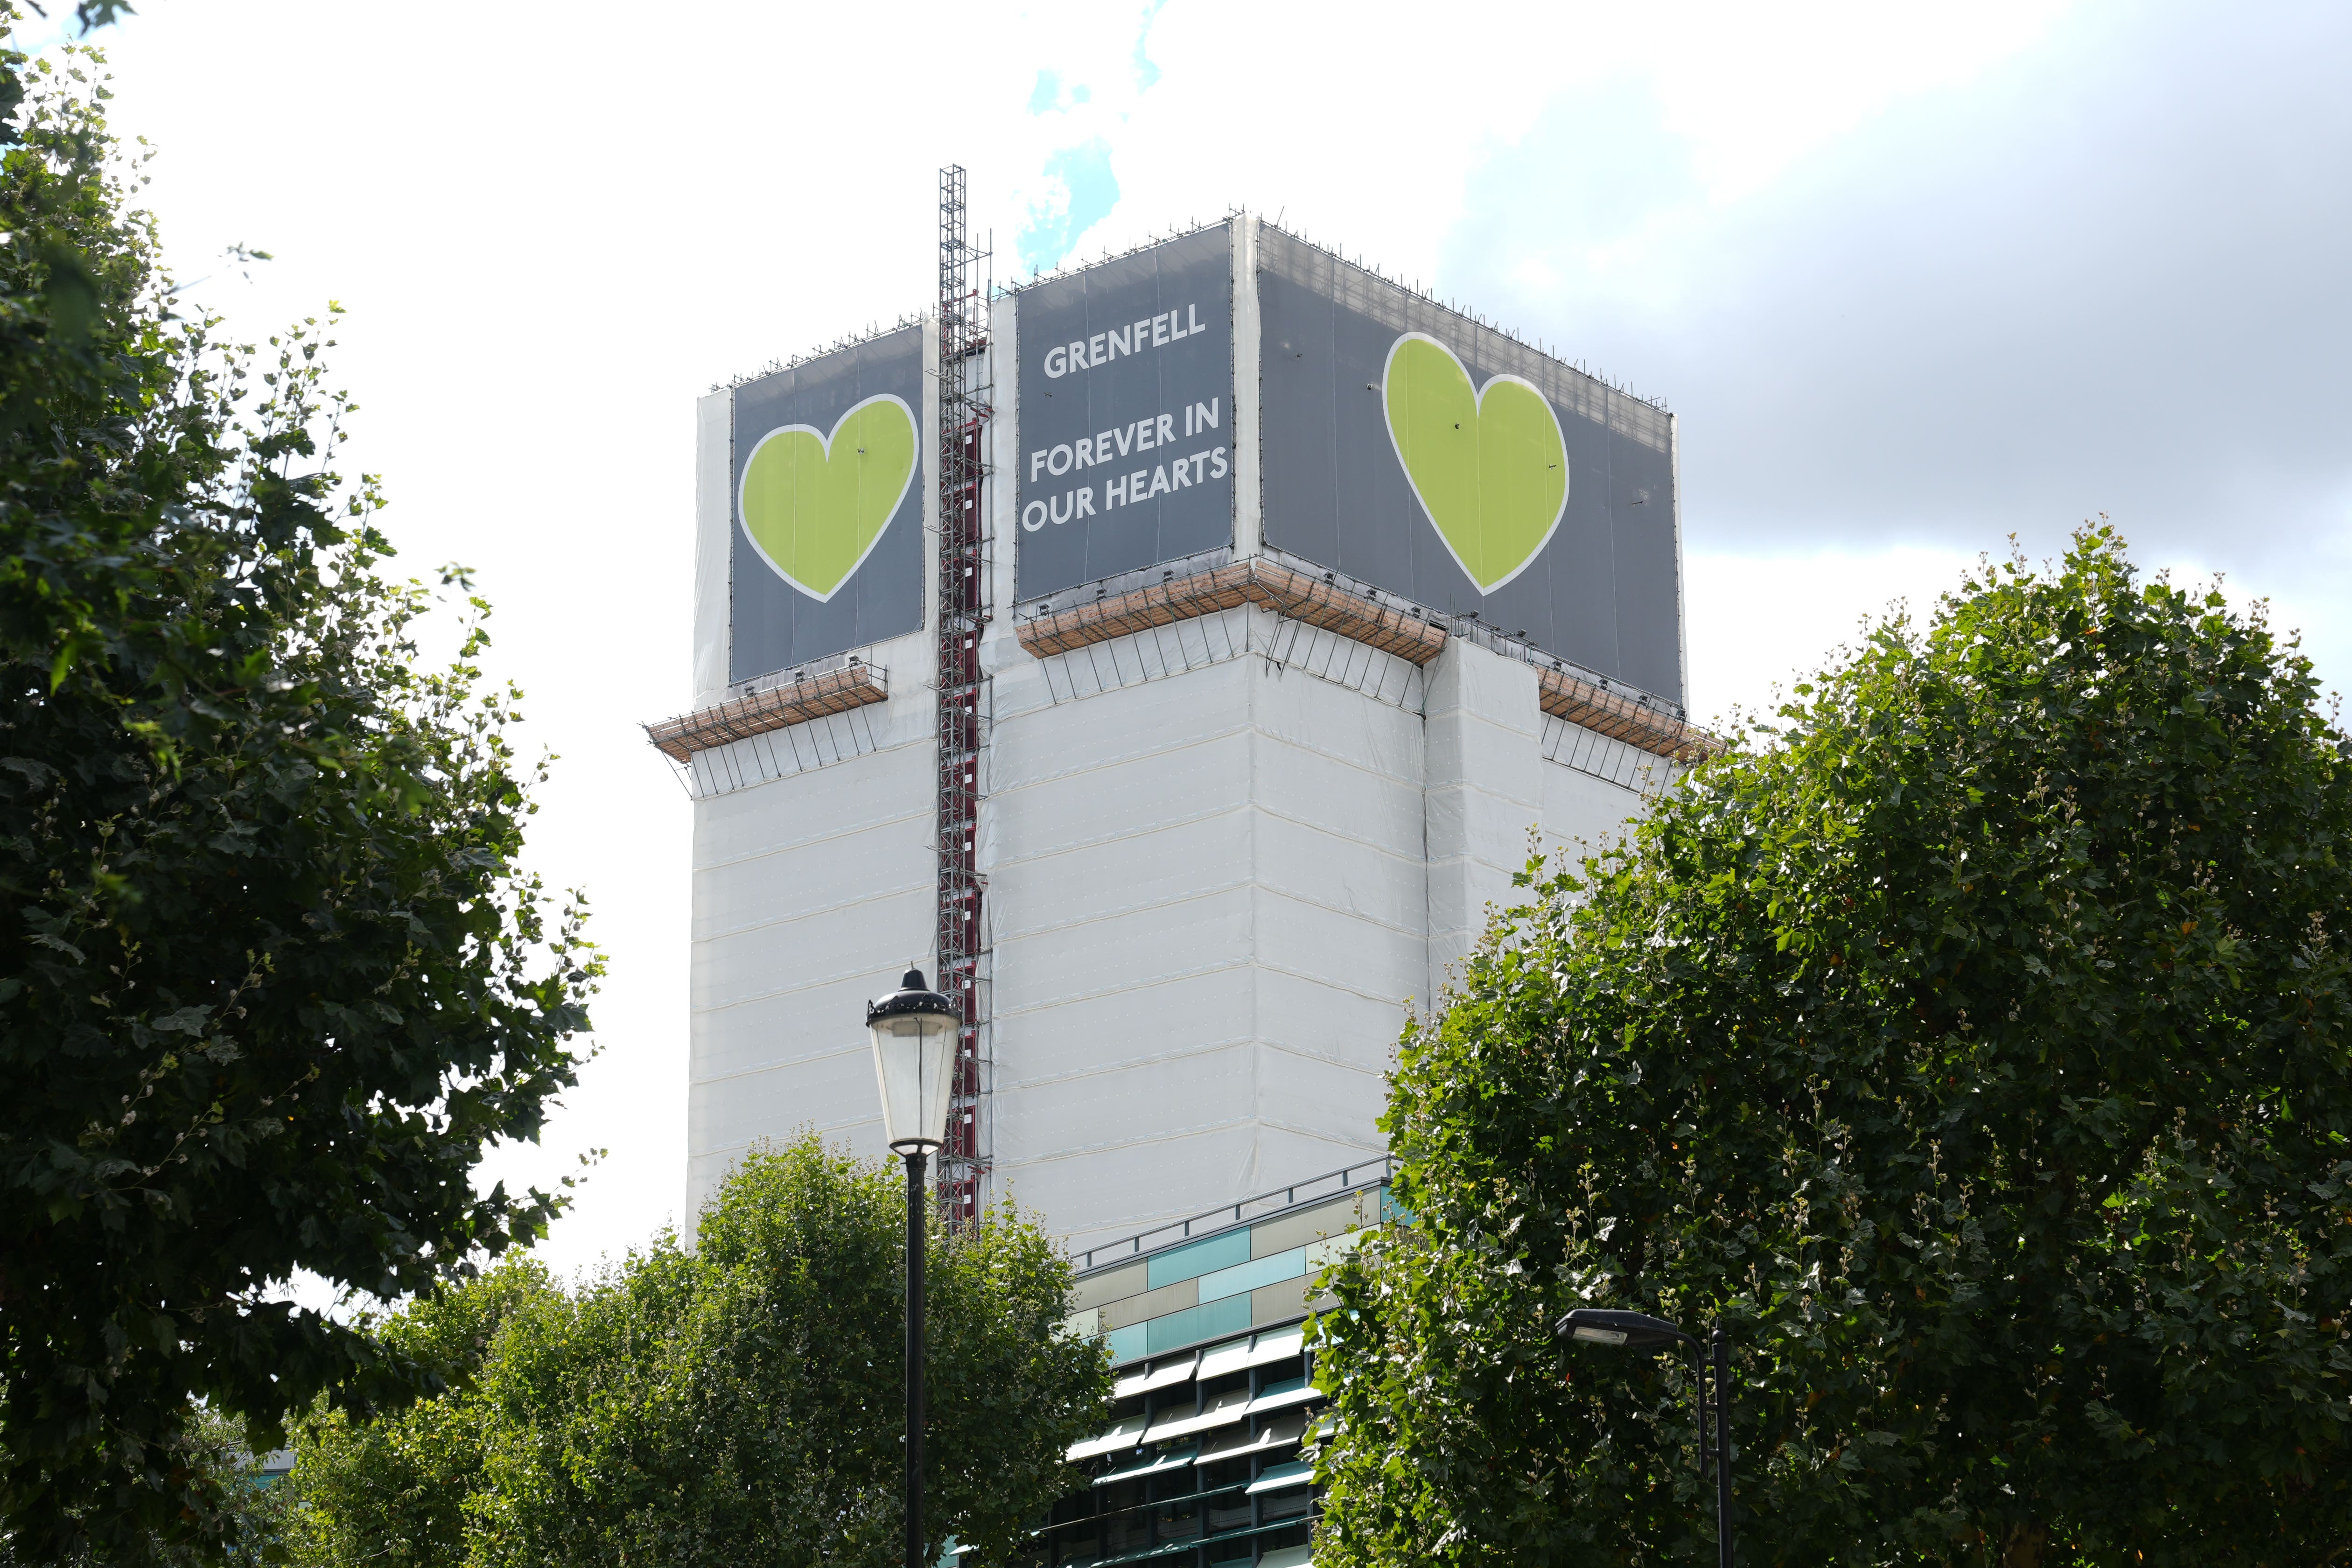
(1049, 97)
(1146, 73)
(1086, 190)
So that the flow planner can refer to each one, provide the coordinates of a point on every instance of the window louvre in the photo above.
(1278, 1433)
(1218, 1359)
(1126, 1435)
(1166, 1375)
(1222, 1411)
(1173, 1459)
(1284, 1395)
(1298, 1473)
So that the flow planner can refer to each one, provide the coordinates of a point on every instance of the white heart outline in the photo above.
(825, 442)
(1479, 401)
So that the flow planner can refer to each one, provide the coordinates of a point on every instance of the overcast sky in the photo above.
(1913, 280)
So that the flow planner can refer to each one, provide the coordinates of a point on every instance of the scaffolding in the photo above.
(964, 605)
(1365, 614)
(758, 711)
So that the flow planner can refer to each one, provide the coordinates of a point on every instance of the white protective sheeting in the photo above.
(1584, 809)
(1220, 857)
(1483, 791)
(714, 511)
(908, 719)
(811, 893)
(1247, 472)
(1154, 655)
(1208, 913)
(796, 749)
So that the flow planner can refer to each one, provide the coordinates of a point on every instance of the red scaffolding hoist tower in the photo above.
(964, 394)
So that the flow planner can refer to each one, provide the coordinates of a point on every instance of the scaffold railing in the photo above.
(766, 709)
(1373, 1173)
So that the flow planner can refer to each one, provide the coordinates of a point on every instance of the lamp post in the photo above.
(1640, 1332)
(914, 1031)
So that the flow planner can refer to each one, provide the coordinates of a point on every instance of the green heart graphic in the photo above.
(1489, 466)
(814, 505)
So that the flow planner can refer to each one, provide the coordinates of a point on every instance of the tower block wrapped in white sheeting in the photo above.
(1316, 599)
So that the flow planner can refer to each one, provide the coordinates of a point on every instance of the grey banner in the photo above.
(777, 620)
(1601, 591)
(1126, 413)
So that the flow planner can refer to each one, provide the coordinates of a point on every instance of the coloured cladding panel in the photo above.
(1226, 1282)
(827, 541)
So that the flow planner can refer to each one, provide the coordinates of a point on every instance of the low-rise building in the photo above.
(1199, 1465)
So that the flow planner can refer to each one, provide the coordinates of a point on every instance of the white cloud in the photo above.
(1756, 624)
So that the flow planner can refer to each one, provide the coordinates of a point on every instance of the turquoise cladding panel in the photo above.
(1272, 1269)
(1227, 1273)
(1129, 1344)
(1193, 1324)
(1196, 1258)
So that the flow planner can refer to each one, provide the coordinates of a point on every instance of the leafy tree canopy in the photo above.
(271, 977)
(251, 1508)
(741, 1403)
(1976, 1049)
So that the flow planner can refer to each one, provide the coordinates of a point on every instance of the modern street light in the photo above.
(1640, 1332)
(914, 1030)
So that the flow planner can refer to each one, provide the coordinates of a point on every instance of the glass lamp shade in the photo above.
(914, 1030)
(1607, 1326)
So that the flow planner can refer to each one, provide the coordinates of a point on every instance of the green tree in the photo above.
(258, 1503)
(1977, 1050)
(393, 1491)
(210, 1448)
(271, 977)
(742, 1402)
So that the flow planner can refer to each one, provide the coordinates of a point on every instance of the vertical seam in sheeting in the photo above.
(727, 548)
(1428, 913)
(1257, 906)
(1682, 607)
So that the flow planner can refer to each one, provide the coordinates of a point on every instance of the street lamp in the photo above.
(914, 1031)
(1640, 1332)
